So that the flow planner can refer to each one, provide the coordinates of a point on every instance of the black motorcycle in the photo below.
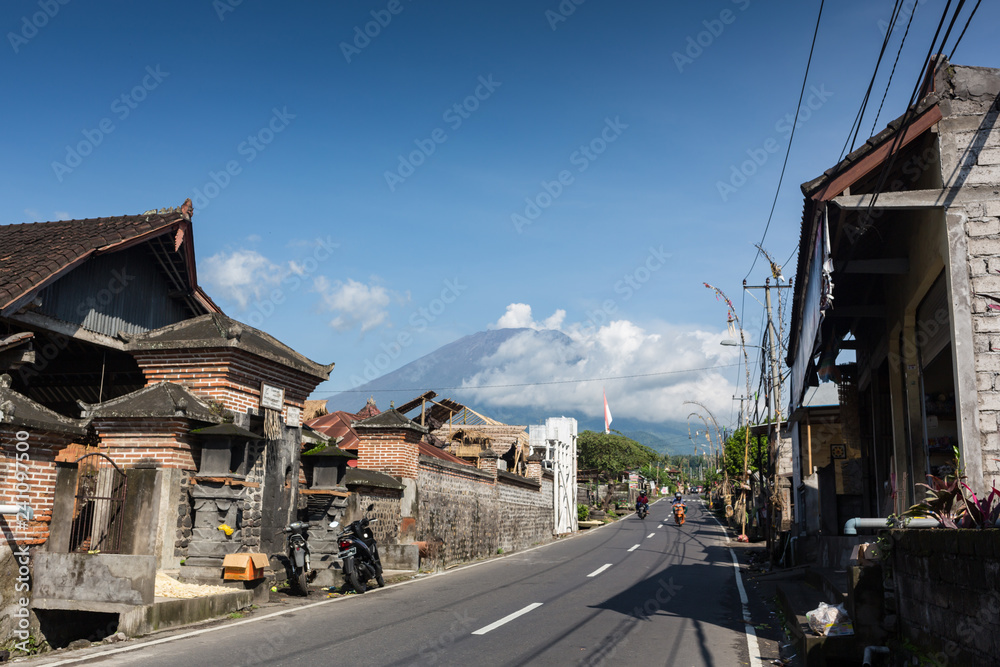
(643, 510)
(298, 556)
(359, 554)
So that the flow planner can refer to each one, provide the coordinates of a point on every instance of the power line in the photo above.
(856, 125)
(897, 141)
(962, 34)
(536, 384)
(893, 71)
(791, 138)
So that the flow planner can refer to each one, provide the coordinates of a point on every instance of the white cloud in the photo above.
(354, 303)
(32, 214)
(653, 363)
(242, 275)
(518, 316)
(62, 215)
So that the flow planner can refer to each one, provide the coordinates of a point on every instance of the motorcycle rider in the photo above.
(643, 499)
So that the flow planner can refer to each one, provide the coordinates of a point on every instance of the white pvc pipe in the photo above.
(24, 510)
(852, 525)
(870, 652)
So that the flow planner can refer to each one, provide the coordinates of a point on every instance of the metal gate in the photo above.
(99, 510)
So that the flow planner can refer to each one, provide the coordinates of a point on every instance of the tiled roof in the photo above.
(391, 419)
(216, 330)
(164, 399)
(19, 410)
(34, 254)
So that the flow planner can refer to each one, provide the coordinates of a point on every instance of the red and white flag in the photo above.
(607, 414)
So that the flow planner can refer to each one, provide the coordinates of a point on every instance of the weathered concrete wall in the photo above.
(464, 514)
(15, 592)
(106, 578)
(947, 599)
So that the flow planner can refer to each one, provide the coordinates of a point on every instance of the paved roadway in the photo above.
(633, 592)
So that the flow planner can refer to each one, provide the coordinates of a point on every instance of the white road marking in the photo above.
(633, 548)
(753, 646)
(507, 619)
(650, 535)
(660, 526)
(599, 570)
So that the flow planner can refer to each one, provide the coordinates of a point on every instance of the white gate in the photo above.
(559, 450)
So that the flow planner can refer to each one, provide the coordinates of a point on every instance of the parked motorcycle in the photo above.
(359, 553)
(298, 556)
(679, 511)
(643, 510)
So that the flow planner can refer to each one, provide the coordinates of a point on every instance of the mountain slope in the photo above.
(445, 369)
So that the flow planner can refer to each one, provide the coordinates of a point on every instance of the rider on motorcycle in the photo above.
(643, 499)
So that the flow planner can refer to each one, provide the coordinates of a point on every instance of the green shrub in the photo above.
(582, 512)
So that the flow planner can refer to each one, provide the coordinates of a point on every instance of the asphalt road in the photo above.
(633, 592)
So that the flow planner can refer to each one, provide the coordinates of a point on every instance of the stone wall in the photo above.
(947, 599)
(465, 514)
(969, 143)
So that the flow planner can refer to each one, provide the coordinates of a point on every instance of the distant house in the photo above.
(899, 266)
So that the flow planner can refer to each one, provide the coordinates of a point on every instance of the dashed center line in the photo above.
(634, 548)
(507, 619)
(599, 570)
(650, 535)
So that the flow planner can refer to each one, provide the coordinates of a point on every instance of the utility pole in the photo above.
(774, 402)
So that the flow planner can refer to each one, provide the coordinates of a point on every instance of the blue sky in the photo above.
(287, 125)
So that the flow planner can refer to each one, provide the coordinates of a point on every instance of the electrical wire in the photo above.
(962, 34)
(856, 125)
(911, 107)
(894, 63)
(791, 138)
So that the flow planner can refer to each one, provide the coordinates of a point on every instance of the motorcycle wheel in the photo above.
(297, 582)
(380, 580)
(355, 581)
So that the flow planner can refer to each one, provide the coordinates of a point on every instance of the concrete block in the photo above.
(991, 208)
(400, 556)
(986, 227)
(988, 284)
(987, 361)
(983, 246)
(987, 323)
(108, 578)
(989, 156)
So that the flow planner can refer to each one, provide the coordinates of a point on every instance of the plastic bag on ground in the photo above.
(830, 621)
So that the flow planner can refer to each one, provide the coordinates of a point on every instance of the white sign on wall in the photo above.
(293, 417)
(271, 397)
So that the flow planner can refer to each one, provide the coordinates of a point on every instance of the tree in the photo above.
(735, 451)
(611, 454)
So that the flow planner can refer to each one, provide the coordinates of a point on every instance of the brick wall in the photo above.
(165, 441)
(390, 451)
(227, 375)
(465, 515)
(947, 599)
(969, 145)
(37, 468)
(983, 237)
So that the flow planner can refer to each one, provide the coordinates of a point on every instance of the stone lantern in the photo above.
(224, 450)
(217, 499)
(327, 465)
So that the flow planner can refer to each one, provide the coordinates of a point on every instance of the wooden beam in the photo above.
(876, 156)
(903, 200)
